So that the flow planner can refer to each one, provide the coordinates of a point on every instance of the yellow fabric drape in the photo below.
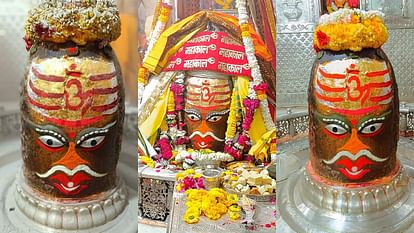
(257, 128)
(155, 120)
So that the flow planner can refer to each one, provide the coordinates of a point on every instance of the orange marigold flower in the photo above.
(323, 39)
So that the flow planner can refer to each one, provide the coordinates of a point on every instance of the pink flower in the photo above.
(200, 183)
(165, 147)
(236, 154)
(188, 182)
(261, 87)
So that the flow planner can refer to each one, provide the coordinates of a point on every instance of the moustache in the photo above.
(71, 172)
(203, 135)
(353, 157)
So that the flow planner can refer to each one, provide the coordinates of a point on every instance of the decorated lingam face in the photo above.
(353, 117)
(207, 108)
(71, 123)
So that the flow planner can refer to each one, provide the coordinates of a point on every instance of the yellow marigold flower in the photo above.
(232, 198)
(217, 194)
(234, 215)
(195, 203)
(196, 194)
(193, 210)
(234, 208)
(222, 208)
(363, 30)
(189, 171)
(208, 202)
(227, 203)
(197, 175)
(179, 175)
(212, 213)
(191, 218)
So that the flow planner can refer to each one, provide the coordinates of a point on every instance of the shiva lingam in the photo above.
(196, 103)
(354, 181)
(72, 111)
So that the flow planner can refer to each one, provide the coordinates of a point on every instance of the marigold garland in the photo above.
(350, 29)
(163, 18)
(213, 204)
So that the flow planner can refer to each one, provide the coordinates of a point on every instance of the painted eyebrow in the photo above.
(333, 120)
(193, 111)
(93, 131)
(50, 132)
(220, 113)
(375, 119)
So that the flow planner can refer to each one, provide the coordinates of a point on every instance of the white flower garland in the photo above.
(154, 36)
(203, 157)
(254, 65)
(344, 15)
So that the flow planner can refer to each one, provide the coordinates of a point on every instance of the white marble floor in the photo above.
(144, 228)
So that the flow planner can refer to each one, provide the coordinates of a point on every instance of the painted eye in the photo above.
(51, 141)
(193, 117)
(371, 128)
(336, 129)
(214, 118)
(92, 142)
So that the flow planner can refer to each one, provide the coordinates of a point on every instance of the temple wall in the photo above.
(295, 55)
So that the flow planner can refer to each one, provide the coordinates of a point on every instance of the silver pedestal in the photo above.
(307, 205)
(123, 199)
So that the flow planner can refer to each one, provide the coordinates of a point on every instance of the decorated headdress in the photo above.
(80, 21)
(234, 49)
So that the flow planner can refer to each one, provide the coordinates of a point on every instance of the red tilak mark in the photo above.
(50, 78)
(103, 108)
(377, 73)
(358, 112)
(73, 73)
(333, 76)
(71, 135)
(381, 98)
(104, 91)
(100, 77)
(352, 66)
(330, 99)
(330, 89)
(354, 122)
(47, 148)
(78, 123)
(73, 66)
(43, 106)
(44, 94)
(329, 133)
